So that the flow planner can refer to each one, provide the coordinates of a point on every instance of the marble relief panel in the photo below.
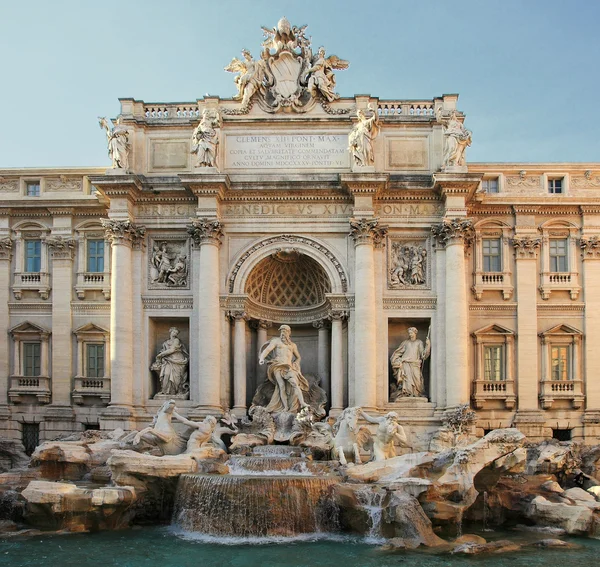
(169, 262)
(408, 263)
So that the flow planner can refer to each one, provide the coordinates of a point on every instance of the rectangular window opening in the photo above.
(95, 256)
(490, 185)
(492, 254)
(562, 434)
(493, 358)
(30, 437)
(95, 360)
(560, 362)
(555, 186)
(33, 256)
(558, 255)
(31, 359)
(32, 188)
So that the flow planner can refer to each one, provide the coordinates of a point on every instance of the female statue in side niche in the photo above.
(172, 365)
(407, 364)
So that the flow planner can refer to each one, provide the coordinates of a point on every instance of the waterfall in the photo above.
(371, 500)
(254, 506)
(269, 465)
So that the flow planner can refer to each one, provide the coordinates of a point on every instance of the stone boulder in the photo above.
(59, 505)
(574, 519)
(12, 455)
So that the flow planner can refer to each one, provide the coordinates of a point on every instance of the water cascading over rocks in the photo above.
(255, 506)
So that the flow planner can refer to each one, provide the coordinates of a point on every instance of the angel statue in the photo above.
(205, 139)
(252, 74)
(117, 138)
(321, 78)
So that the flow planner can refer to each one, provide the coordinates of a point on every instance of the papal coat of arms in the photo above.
(287, 76)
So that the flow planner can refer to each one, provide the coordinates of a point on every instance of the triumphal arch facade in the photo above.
(410, 280)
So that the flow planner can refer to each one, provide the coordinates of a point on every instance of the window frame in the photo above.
(91, 281)
(566, 280)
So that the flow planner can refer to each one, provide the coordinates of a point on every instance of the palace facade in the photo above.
(349, 219)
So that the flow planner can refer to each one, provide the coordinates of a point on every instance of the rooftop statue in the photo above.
(205, 139)
(119, 146)
(456, 139)
(361, 137)
(286, 76)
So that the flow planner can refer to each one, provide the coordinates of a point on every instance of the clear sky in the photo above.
(527, 71)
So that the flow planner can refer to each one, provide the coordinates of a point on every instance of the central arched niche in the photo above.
(288, 286)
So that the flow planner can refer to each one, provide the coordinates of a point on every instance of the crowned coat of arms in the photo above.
(288, 76)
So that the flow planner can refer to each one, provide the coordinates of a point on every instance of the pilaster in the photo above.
(323, 346)
(239, 319)
(6, 252)
(337, 361)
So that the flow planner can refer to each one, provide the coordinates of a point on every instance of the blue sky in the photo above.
(527, 71)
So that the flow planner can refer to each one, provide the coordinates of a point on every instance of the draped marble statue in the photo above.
(407, 364)
(172, 365)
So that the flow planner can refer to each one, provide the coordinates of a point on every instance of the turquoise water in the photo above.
(163, 547)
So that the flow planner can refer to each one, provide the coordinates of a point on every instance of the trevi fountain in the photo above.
(314, 481)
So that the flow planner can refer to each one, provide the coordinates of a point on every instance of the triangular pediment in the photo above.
(493, 329)
(28, 327)
(90, 328)
(562, 329)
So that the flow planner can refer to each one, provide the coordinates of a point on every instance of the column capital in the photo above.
(123, 232)
(321, 324)
(205, 231)
(337, 315)
(238, 315)
(6, 245)
(526, 246)
(454, 231)
(60, 248)
(590, 247)
(367, 231)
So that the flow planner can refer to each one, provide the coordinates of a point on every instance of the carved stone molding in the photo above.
(63, 184)
(123, 232)
(590, 247)
(409, 303)
(367, 231)
(172, 302)
(408, 263)
(450, 231)
(205, 231)
(523, 181)
(587, 181)
(169, 264)
(9, 185)
(526, 246)
(238, 315)
(61, 248)
(289, 239)
(6, 245)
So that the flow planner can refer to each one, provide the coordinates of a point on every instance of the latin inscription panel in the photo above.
(287, 151)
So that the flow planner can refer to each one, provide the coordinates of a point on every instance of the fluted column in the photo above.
(122, 234)
(239, 362)
(207, 235)
(61, 250)
(337, 361)
(322, 327)
(366, 234)
(526, 251)
(5, 274)
(456, 235)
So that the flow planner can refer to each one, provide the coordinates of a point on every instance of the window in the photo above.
(95, 360)
(492, 255)
(31, 359)
(95, 255)
(562, 434)
(559, 361)
(490, 185)
(30, 436)
(493, 359)
(32, 188)
(558, 255)
(33, 256)
(555, 186)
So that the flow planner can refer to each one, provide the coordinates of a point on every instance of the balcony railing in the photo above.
(31, 281)
(22, 388)
(571, 390)
(98, 388)
(554, 281)
(92, 281)
(488, 390)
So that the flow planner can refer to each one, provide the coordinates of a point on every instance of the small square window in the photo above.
(490, 185)
(33, 256)
(32, 188)
(492, 256)
(95, 256)
(558, 255)
(555, 186)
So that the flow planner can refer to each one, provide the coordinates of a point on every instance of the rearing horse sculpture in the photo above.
(348, 436)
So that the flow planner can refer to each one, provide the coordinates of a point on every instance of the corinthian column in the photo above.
(366, 234)
(122, 235)
(207, 235)
(456, 235)
(5, 274)
(337, 362)
(239, 362)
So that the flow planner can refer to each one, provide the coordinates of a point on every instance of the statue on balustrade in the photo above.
(388, 432)
(407, 365)
(456, 139)
(172, 365)
(119, 146)
(205, 139)
(361, 137)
